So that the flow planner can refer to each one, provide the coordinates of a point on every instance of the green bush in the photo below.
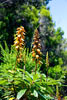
(18, 83)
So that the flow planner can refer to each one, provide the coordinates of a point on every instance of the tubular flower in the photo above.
(36, 50)
(19, 41)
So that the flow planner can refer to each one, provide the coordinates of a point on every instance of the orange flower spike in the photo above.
(19, 41)
(36, 53)
(36, 46)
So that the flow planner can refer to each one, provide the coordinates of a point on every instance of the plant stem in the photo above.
(16, 60)
(57, 91)
(14, 91)
(36, 67)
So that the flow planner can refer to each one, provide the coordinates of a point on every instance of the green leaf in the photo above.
(35, 94)
(21, 93)
(2, 82)
(45, 97)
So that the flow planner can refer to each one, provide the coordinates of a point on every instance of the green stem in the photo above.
(36, 67)
(14, 90)
(57, 91)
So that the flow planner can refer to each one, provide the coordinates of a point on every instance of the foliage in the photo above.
(55, 72)
(44, 12)
(15, 13)
(20, 83)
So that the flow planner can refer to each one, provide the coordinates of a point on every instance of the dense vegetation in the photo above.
(33, 54)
